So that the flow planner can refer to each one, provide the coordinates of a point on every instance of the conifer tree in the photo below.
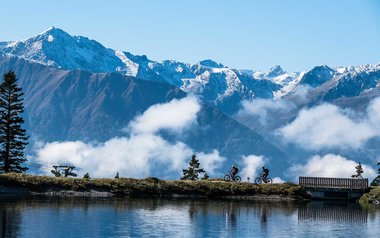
(12, 136)
(193, 171)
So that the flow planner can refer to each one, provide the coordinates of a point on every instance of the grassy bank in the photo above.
(147, 187)
(372, 197)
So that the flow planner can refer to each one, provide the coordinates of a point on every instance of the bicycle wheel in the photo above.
(237, 179)
(269, 180)
(258, 180)
(227, 178)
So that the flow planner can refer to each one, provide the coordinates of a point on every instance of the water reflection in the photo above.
(10, 218)
(333, 211)
(112, 217)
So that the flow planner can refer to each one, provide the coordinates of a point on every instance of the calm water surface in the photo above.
(110, 217)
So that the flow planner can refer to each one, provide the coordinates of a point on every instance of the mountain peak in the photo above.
(53, 29)
(318, 76)
(275, 71)
(55, 47)
(51, 34)
(211, 63)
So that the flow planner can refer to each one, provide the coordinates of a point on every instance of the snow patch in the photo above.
(50, 38)
(132, 68)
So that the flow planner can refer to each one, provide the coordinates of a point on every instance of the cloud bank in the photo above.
(143, 153)
(327, 126)
(261, 108)
(173, 116)
(330, 165)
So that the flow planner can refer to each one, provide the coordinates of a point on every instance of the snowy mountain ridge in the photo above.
(213, 81)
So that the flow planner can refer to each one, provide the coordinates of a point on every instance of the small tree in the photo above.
(86, 176)
(12, 136)
(193, 171)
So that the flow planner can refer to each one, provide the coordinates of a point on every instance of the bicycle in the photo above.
(229, 177)
(357, 176)
(261, 179)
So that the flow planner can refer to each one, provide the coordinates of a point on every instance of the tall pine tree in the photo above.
(12, 136)
(193, 171)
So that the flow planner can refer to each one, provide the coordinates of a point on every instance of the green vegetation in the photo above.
(12, 136)
(376, 181)
(151, 187)
(86, 176)
(193, 172)
(372, 197)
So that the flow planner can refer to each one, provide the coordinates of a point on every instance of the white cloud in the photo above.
(174, 115)
(373, 112)
(260, 108)
(141, 154)
(210, 162)
(330, 165)
(327, 126)
(138, 156)
(252, 166)
(130, 156)
(278, 180)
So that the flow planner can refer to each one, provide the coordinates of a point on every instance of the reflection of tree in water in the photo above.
(10, 219)
(232, 212)
(264, 216)
(192, 211)
(196, 207)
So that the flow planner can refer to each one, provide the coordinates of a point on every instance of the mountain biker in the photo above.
(359, 169)
(265, 173)
(234, 170)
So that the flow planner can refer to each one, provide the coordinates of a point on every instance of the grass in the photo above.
(372, 197)
(149, 186)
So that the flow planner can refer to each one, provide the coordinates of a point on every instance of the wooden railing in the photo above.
(339, 183)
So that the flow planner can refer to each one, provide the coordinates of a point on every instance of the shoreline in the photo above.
(36, 185)
(371, 198)
(23, 184)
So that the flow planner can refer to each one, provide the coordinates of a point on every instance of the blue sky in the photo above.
(249, 34)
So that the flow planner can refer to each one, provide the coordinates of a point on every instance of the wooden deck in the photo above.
(333, 188)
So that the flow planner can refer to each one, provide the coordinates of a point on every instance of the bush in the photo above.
(86, 176)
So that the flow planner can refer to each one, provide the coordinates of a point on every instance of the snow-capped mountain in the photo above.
(77, 89)
(213, 81)
(318, 76)
(351, 83)
(57, 48)
(218, 84)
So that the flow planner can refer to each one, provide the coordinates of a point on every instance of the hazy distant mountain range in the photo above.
(77, 89)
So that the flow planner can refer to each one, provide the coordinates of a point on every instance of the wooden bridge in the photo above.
(334, 188)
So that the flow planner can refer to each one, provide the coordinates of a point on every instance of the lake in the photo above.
(125, 217)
